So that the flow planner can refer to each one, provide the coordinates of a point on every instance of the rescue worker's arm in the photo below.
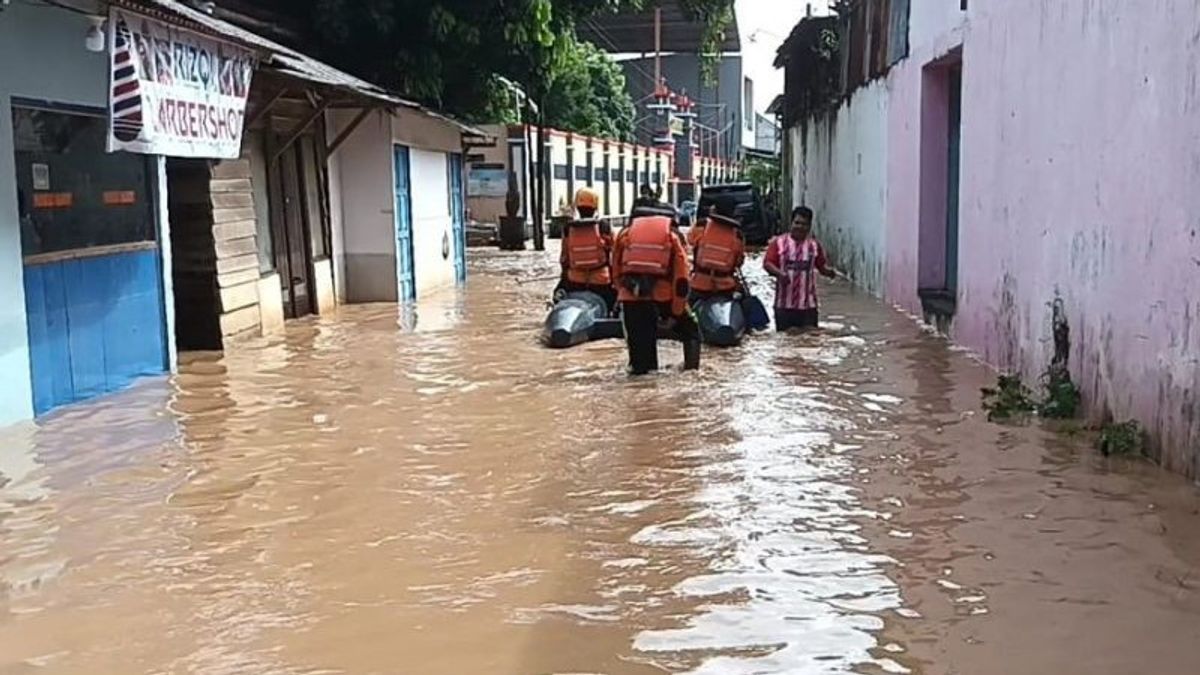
(607, 240)
(771, 262)
(822, 264)
(617, 248)
(682, 268)
(682, 271)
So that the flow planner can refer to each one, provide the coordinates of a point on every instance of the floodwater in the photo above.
(435, 493)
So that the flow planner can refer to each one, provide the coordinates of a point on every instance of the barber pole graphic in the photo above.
(126, 92)
(174, 92)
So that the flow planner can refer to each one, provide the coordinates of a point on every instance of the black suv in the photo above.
(756, 223)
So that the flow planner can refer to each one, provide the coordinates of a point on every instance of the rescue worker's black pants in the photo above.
(641, 335)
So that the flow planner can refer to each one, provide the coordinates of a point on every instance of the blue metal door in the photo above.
(458, 216)
(406, 278)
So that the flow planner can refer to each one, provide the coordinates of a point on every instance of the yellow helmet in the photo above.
(587, 198)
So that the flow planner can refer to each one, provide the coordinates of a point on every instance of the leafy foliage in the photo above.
(451, 53)
(1062, 398)
(716, 15)
(1122, 438)
(587, 93)
(764, 174)
(1009, 399)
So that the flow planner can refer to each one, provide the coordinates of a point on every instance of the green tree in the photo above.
(764, 174)
(448, 53)
(587, 94)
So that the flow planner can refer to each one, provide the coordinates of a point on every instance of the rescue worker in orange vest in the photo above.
(720, 251)
(587, 252)
(650, 265)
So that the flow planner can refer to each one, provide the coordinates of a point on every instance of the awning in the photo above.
(284, 60)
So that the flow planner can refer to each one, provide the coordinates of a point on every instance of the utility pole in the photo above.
(657, 48)
(539, 230)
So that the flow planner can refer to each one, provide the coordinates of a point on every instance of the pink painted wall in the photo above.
(935, 30)
(1080, 180)
(1081, 177)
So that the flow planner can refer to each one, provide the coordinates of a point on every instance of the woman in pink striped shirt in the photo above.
(795, 259)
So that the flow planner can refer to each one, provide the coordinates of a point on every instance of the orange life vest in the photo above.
(649, 248)
(651, 263)
(719, 252)
(586, 251)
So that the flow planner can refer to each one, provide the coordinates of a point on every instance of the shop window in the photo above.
(72, 194)
(262, 201)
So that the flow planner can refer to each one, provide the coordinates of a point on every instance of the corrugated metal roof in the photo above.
(285, 60)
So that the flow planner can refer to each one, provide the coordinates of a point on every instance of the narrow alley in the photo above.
(347, 497)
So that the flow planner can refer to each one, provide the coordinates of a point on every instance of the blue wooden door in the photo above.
(95, 324)
(406, 278)
(458, 216)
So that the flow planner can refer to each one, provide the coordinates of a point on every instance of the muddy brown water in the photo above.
(434, 493)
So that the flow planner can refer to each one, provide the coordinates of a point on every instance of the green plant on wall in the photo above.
(1122, 438)
(1061, 397)
(1009, 399)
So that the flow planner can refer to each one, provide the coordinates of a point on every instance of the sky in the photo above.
(764, 25)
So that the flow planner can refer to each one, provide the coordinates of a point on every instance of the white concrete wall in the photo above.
(361, 200)
(323, 291)
(270, 304)
(852, 167)
(841, 173)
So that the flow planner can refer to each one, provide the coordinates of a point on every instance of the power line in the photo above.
(613, 45)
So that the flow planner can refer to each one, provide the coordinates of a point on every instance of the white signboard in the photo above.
(174, 92)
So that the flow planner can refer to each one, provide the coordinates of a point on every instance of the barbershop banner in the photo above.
(174, 92)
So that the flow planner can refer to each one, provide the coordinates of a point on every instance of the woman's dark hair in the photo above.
(802, 211)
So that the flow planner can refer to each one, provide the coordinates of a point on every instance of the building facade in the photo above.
(84, 241)
(725, 119)
(399, 206)
(116, 254)
(616, 170)
(1003, 168)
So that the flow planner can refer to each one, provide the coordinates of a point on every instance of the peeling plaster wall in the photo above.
(842, 176)
(859, 167)
(1079, 174)
(1081, 161)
